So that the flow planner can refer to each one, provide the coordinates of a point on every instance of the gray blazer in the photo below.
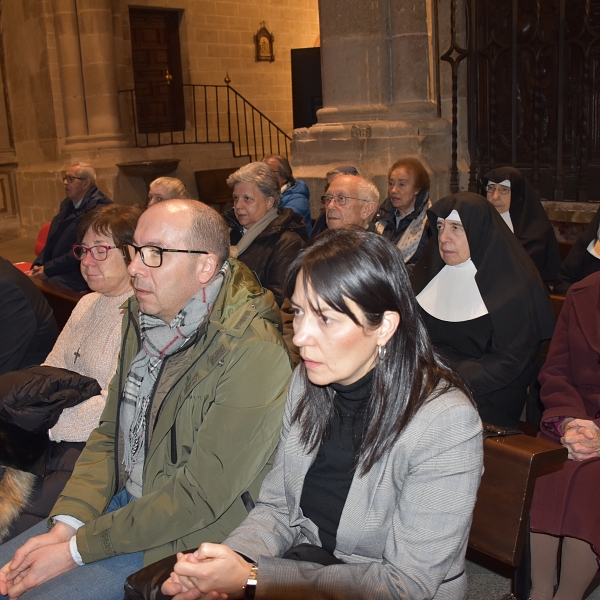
(404, 528)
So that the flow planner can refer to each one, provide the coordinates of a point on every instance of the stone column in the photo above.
(378, 97)
(99, 70)
(71, 76)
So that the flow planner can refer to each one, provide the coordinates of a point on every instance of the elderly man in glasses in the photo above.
(350, 200)
(56, 262)
(191, 420)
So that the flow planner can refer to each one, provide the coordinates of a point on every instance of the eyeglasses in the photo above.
(97, 252)
(152, 256)
(501, 189)
(71, 179)
(338, 200)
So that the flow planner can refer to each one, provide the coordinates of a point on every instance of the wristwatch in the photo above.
(250, 587)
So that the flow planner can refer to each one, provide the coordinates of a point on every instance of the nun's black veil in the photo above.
(579, 263)
(530, 221)
(512, 290)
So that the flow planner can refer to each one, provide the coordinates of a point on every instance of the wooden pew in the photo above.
(62, 300)
(501, 515)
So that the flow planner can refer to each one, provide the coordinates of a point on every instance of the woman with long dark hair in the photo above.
(380, 456)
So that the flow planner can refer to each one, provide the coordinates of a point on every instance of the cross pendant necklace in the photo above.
(76, 354)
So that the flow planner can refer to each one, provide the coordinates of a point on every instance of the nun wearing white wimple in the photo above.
(519, 205)
(483, 302)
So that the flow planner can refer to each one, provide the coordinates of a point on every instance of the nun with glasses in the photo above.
(483, 302)
(518, 204)
(583, 258)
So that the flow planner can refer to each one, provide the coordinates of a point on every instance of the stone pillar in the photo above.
(378, 96)
(88, 73)
(99, 69)
(71, 76)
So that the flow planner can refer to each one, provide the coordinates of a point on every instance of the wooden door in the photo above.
(157, 70)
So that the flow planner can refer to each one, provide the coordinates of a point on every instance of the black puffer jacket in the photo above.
(31, 402)
(271, 253)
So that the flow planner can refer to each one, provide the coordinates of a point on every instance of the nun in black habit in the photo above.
(583, 258)
(525, 216)
(483, 302)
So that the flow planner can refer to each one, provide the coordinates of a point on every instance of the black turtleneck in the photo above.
(328, 480)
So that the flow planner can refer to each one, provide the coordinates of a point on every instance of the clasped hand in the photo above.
(39, 559)
(582, 439)
(213, 572)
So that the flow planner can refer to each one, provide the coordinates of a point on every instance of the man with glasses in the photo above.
(349, 201)
(192, 417)
(56, 262)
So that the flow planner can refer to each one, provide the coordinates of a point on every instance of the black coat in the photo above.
(272, 252)
(579, 263)
(60, 266)
(27, 322)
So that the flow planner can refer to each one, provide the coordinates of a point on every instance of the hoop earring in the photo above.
(381, 351)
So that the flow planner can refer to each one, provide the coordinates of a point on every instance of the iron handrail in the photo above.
(213, 114)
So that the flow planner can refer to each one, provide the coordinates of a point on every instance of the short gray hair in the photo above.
(259, 174)
(367, 190)
(175, 187)
(86, 171)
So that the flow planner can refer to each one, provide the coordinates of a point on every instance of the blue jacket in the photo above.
(297, 197)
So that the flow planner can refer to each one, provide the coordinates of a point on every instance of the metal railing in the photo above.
(211, 114)
(533, 91)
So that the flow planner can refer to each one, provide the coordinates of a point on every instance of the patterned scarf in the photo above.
(409, 242)
(159, 340)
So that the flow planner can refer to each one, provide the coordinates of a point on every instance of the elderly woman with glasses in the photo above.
(263, 235)
(517, 203)
(88, 345)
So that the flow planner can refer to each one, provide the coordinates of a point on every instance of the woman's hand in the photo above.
(582, 439)
(213, 572)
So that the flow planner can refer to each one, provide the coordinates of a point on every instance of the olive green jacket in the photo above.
(214, 423)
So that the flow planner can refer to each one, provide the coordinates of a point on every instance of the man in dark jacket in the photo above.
(27, 322)
(56, 262)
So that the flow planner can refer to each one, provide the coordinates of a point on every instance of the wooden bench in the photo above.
(501, 516)
(62, 300)
(212, 187)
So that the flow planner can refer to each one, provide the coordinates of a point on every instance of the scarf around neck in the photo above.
(158, 341)
(252, 233)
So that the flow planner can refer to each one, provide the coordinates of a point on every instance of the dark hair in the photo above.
(113, 220)
(368, 269)
(413, 166)
(284, 167)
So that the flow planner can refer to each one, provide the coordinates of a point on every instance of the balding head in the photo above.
(176, 225)
(206, 228)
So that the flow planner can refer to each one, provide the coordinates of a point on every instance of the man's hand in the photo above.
(45, 552)
(37, 271)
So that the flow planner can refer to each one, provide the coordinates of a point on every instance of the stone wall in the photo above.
(60, 110)
(218, 37)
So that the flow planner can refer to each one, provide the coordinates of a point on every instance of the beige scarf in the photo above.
(252, 233)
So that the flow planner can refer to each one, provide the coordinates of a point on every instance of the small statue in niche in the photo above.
(263, 41)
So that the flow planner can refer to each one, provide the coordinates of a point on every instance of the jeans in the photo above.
(101, 580)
